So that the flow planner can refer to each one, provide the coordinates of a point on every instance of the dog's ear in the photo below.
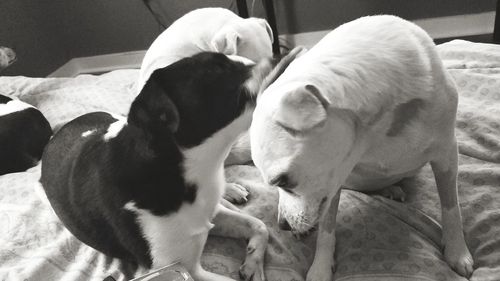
(226, 41)
(153, 109)
(263, 23)
(268, 29)
(302, 108)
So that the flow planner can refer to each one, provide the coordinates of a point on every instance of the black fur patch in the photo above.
(206, 90)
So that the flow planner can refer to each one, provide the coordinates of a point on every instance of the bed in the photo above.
(377, 238)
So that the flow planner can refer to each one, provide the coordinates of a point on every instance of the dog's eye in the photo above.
(283, 181)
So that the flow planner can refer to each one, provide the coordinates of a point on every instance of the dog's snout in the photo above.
(283, 224)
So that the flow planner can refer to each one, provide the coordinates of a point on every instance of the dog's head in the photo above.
(301, 143)
(193, 98)
(197, 96)
(251, 38)
(7, 57)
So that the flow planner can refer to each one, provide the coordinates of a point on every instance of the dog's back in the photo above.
(208, 30)
(75, 164)
(409, 100)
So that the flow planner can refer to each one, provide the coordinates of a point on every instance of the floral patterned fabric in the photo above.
(377, 239)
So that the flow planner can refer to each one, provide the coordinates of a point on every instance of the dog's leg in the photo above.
(455, 250)
(240, 152)
(239, 155)
(230, 223)
(321, 268)
(193, 263)
(229, 205)
(235, 193)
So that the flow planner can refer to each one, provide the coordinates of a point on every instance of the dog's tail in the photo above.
(267, 71)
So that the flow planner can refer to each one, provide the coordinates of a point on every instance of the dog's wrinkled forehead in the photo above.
(285, 131)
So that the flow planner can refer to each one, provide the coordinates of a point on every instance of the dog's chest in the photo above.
(175, 237)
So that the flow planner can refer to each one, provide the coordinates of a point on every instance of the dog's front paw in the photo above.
(252, 269)
(321, 270)
(460, 259)
(235, 193)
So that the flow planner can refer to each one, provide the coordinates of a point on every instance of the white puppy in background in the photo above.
(369, 105)
(211, 30)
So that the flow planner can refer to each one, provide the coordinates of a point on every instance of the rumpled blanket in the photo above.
(377, 238)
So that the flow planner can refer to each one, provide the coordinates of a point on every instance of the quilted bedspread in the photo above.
(377, 239)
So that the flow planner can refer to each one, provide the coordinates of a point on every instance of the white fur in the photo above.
(115, 128)
(207, 29)
(88, 133)
(158, 231)
(364, 71)
(181, 236)
(241, 59)
(13, 106)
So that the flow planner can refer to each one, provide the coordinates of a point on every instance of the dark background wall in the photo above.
(301, 16)
(47, 33)
(31, 28)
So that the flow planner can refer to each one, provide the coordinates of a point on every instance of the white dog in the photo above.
(208, 30)
(369, 105)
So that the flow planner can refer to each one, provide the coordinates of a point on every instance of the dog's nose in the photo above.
(283, 224)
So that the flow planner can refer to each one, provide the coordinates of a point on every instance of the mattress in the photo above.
(377, 238)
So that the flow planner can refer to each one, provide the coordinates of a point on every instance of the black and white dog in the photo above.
(24, 132)
(147, 188)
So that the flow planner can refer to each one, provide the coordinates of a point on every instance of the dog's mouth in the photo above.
(304, 229)
(300, 235)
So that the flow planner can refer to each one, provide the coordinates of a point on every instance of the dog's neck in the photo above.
(202, 167)
(203, 164)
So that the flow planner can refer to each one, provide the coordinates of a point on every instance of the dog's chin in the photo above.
(303, 233)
